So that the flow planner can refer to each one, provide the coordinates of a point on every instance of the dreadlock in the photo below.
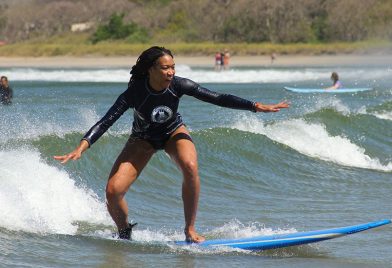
(146, 60)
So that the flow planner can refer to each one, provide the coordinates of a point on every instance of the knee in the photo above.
(114, 190)
(190, 169)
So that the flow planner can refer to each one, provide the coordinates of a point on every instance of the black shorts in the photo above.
(158, 143)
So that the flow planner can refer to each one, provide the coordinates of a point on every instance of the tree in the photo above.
(116, 29)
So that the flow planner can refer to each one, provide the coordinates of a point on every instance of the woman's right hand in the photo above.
(75, 154)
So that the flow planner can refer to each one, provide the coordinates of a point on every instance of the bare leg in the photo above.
(125, 171)
(183, 152)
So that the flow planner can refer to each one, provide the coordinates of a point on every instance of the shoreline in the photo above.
(198, 61)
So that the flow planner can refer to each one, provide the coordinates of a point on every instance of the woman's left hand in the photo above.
(267, 108)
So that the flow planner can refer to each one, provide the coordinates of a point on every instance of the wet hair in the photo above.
(335, 76)
(146, 60)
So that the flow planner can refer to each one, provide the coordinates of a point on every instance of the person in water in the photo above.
(6, 92)
(154, 93)
(336, 83)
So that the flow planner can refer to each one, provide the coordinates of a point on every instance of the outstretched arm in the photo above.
(221, 99)
(114, 113)
(228, 100)
(234, 102)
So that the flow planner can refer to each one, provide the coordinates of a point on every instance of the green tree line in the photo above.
(221, 21)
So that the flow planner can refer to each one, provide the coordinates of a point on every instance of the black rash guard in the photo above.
(6, 95)
(155, 112)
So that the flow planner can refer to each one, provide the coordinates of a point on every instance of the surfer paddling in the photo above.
(153, 93)
(336, 83)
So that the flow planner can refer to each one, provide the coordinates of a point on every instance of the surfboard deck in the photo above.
(321, 90)
(286, 240)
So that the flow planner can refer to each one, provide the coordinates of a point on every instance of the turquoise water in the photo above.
(326, 162)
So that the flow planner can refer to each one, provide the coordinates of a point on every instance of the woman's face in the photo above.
(4, 82)
(162, 72)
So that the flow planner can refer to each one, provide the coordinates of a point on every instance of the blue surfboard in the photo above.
(286, 240)
(321, 90)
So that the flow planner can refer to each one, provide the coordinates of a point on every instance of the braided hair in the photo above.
(147, 59)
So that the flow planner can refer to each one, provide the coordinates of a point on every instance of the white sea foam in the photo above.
(22, 125)
(68, 75)
(235, 75)
(333, 103)
(338, 106)
(313, 140)
(39, 198)
(231, 230)
(253, 76)
(235, 229)
(383, 115)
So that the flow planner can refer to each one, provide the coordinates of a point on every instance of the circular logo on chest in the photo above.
(161, 114)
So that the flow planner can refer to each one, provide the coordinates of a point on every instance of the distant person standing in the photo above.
(273, 57)
(222, 60)
(336, 83)
(226, 59)
(218, 61)
(6, 92)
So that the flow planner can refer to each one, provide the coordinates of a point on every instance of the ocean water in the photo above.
(326, 162)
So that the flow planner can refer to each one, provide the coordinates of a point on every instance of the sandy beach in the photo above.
(202, 61)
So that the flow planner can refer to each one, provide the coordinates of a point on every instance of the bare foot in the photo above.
(192, 236)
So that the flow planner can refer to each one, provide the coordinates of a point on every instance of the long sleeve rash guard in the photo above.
(155, 112)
